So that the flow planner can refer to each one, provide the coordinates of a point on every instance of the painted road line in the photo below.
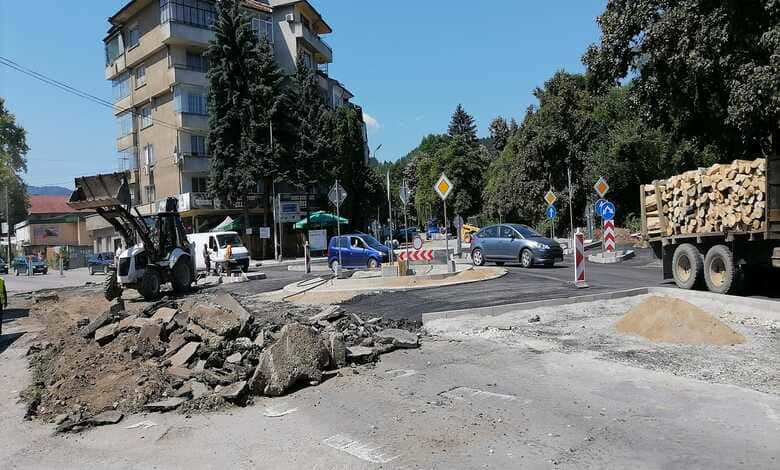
(401, 373)
(466, 393)
(364, 451)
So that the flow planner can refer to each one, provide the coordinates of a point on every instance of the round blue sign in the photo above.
(599, 206)
(551, 212)
(608, 211)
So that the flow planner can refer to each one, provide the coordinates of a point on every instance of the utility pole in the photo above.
(8, 221)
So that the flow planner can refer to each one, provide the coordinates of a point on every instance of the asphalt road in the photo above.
(519, 285)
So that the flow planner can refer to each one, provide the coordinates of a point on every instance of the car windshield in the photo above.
(229, 239)
(526, 232)
(372, 242)
(35, 259)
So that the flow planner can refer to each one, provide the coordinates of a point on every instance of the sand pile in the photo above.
(670, 320)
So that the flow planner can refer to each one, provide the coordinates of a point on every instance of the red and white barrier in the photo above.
(417, 255)
(609, 236)
(579, 260)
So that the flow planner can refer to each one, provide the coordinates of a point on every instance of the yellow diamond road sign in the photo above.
(550, 198)
(443, 186)
(601, 187)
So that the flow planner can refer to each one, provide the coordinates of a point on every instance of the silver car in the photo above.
(514, 243)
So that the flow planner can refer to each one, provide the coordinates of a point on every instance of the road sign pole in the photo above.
(571, 207)
(338, 223)
(447, 237)
(406, 233)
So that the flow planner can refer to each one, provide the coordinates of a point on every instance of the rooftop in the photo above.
(50, 205)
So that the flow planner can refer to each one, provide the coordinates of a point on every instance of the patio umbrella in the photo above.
(227, 225)
(320, 219)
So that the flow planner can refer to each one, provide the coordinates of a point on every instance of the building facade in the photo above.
(156, 64)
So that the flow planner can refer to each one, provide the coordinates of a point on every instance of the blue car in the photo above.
(357, 251)
(514, 243)
(100, 262)
(38, 265)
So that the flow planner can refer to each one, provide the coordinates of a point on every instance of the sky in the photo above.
(409, 63)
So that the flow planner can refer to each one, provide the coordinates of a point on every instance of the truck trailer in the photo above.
(716, 227)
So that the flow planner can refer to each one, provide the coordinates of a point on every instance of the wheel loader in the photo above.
(156, 247)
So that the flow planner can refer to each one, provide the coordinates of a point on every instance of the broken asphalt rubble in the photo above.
(210, 350)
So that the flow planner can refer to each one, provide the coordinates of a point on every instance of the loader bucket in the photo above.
(97, 191)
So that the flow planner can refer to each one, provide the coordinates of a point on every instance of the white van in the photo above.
(216, 242)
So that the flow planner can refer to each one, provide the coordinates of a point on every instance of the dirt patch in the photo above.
(669, 320)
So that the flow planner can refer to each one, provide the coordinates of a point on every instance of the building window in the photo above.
(121, 86)
(191, 100)
(197, 145)
(196, 62)
(146, 116)
(140, 76)
(264, 29)
(125, 124)
(113, 49)
(133, 36)
(128, 159)
(197, 13)
(307, 59)
(151, 193)
(200, 184)
(149, 159)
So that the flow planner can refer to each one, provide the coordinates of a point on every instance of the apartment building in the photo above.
(155, 62)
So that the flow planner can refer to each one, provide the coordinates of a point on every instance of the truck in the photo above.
(217, 243)
(716, 227)
(156, 247)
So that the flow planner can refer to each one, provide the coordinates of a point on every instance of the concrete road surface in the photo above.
(473, 404)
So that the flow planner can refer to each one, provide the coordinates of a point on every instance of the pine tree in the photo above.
(244, 93)
(499, 134)
(309, 147)
(462, 124)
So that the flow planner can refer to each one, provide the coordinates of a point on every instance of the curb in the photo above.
(727, 300)
(501, 273)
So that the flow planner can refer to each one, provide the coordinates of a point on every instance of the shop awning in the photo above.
(320, 219)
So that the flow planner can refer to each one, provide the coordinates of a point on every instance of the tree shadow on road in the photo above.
(7, 340)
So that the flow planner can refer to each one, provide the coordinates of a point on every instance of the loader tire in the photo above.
(181, 276)
(150, 285)
(111, 289)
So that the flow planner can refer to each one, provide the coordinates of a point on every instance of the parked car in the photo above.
(357, 251)
(3, 266)
(514, 243)
(20, 265)
(100, 262)
(401, 234)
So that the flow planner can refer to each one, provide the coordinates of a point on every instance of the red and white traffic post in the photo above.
(416, 255)
(579, 260)
(609, 236)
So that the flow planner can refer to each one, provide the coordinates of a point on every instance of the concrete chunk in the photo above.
(337, 349)
(234, 358)
(127, 323)
(298, 357)
(198, 389)
(165, 405)
(360, 354)
(398, 338)
(117, 307)
(179, 372)
(332, 312)
(150, 332)
(107, 417)
(233, 392)
(102, 320)
(184, 354)
(164, 315)
(210, 338)
(219, 321)
(106, 334)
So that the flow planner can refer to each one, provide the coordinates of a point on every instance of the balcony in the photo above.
(197, 122)
(324, 54)
(195, 163)
(185, 24)
(188, 75)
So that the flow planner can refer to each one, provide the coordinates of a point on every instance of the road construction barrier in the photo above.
(609, 236)
(579, 260)
(417, 255)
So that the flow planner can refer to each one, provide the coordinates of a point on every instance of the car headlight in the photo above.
(542, 246)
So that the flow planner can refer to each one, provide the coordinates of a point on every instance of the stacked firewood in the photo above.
(722, 198)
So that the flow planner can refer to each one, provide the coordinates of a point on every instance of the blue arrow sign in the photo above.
(608, 211)
(551, 212)
(599, 206)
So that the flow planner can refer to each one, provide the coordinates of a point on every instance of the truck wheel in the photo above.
(720, 270)
(688, 267)
(150, 285)
(182, 276)
(111, 289)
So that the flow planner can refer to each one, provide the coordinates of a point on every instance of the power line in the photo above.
(75, 91)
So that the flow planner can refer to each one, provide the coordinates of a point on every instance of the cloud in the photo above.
(371, 122)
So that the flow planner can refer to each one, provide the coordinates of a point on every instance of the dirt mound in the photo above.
(669, 320)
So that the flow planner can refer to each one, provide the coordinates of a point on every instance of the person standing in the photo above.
(228, 258)
(3, 302)
(207, 258)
